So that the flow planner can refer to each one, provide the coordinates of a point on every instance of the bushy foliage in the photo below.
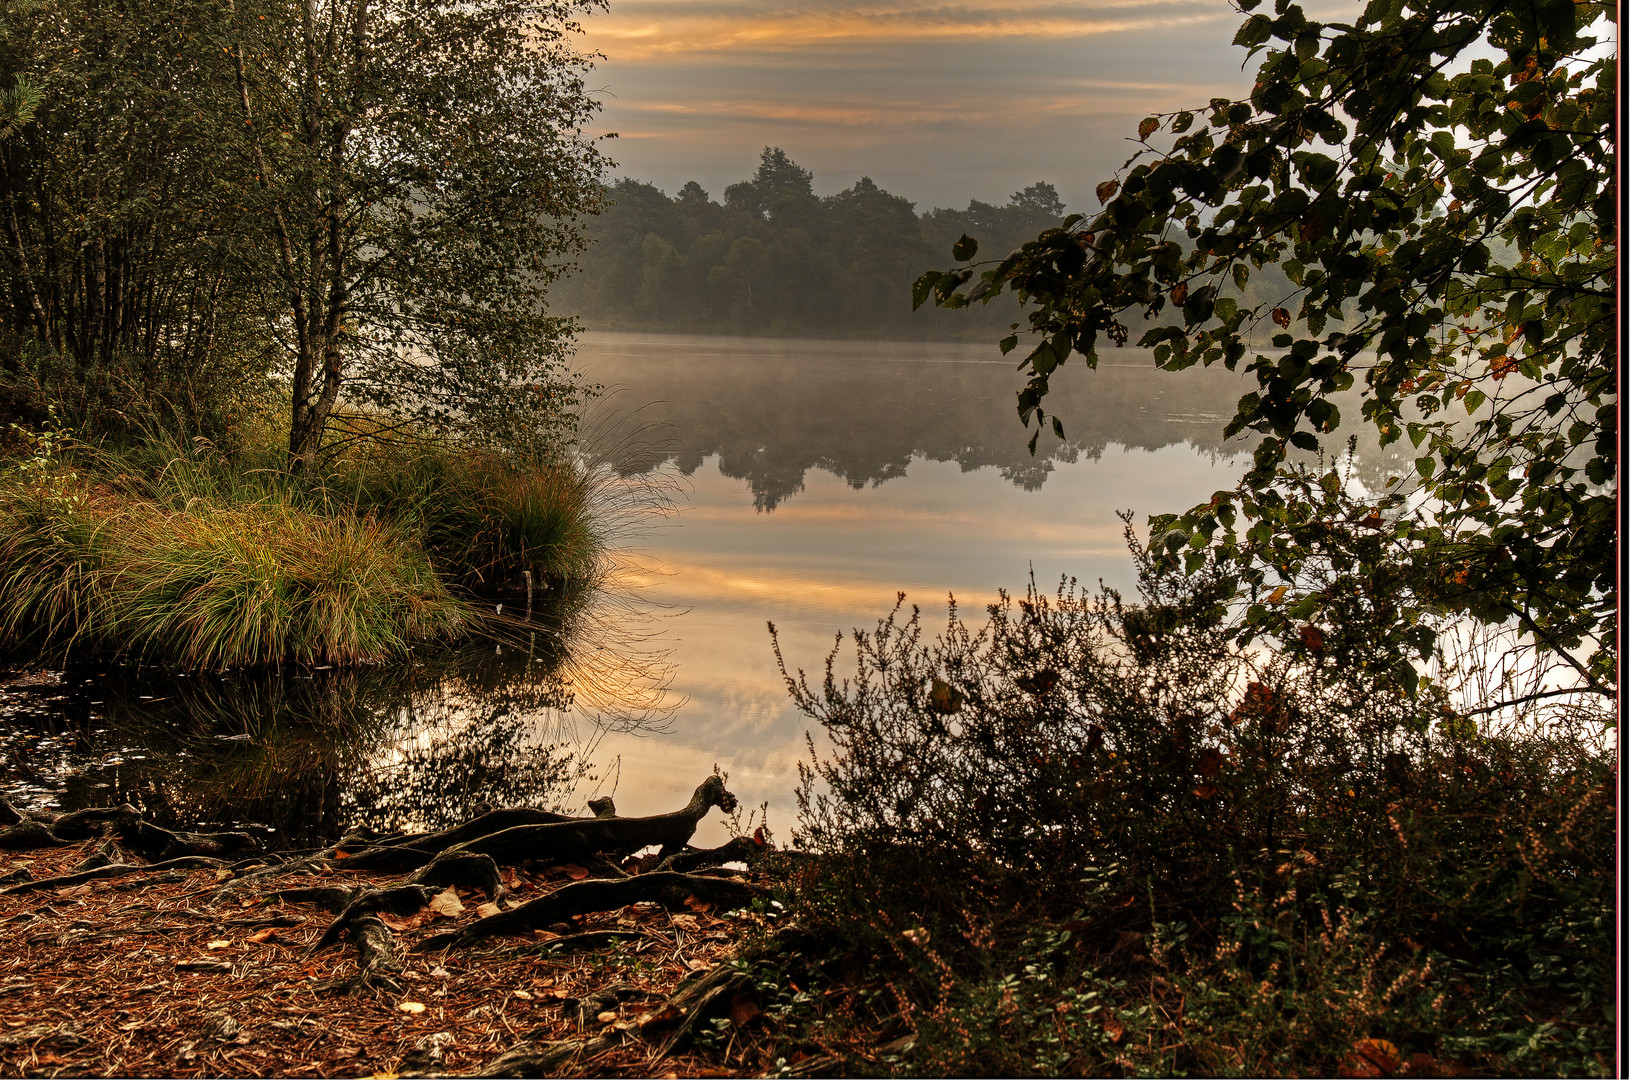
(1278, 854)
(1437, 182)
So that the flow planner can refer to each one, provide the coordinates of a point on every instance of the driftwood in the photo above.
(559, 840)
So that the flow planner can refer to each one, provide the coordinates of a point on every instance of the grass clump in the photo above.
(171, 550)
(1095, 838)
(210, 586)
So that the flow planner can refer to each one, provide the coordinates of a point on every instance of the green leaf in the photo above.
(965, 248)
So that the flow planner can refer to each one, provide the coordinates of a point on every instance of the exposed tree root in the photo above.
(377, 965)
(112, 870)
(584, 897)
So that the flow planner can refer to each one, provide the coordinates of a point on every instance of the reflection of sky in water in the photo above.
(833, 558)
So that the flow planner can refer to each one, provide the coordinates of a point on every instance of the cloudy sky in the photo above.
(936, 100)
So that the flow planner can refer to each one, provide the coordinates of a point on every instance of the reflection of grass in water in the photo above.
(398, 746)
(512, 720)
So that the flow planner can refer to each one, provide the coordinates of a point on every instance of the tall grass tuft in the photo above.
(167, 548)
(211, 586)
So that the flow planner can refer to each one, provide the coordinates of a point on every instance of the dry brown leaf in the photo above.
(742, 1010)
(412, 1007)
(219, 943)
(684, 922)
(1371, 1058)
(1113, 1028)
(446, 903)
(606, 1017)
(260, 936)
(486, 911)
(668, 1012)
(575, 872)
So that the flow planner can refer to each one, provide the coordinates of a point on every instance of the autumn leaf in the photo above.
(411, 1007)
(1205, 791)
(1180, 294)
(1313, 639)
(446, 903)
(1148, 127)
(1370, 1058)
(943, 697)
(575, 872)
(742, 1010)
(1281, 317)
(1107, 190)
(1113, 1028)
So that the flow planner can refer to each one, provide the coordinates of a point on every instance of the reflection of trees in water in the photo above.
(772, 417)
(772, 410)
(408, 745)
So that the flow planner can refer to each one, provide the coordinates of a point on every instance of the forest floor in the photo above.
(154, 975)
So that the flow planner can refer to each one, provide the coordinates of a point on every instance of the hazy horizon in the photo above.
(937, 102)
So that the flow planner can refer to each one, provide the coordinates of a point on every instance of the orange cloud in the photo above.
(671, 31)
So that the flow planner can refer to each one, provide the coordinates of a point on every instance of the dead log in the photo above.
(740, 849)
(548, 836)
(155, 843)
(582, 837)
(464, 868)
(29, 834)
(713, 994)
(583, 897)
(435, 842)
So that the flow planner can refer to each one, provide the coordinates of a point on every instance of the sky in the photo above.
(936, 100)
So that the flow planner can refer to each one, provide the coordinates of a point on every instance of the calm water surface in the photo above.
(812, 482)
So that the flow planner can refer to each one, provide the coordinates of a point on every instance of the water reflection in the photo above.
(773, 410)
(298, 755)
(888, 467)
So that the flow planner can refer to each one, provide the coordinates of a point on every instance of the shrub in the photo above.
(1268, 861)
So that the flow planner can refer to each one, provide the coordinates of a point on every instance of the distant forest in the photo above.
(776, 259)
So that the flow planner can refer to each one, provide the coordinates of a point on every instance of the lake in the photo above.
(806, 482)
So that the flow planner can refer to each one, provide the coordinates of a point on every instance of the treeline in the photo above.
(775, 258)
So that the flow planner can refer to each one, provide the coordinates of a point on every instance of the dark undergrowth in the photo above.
(1093, 838)
(180, 550)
